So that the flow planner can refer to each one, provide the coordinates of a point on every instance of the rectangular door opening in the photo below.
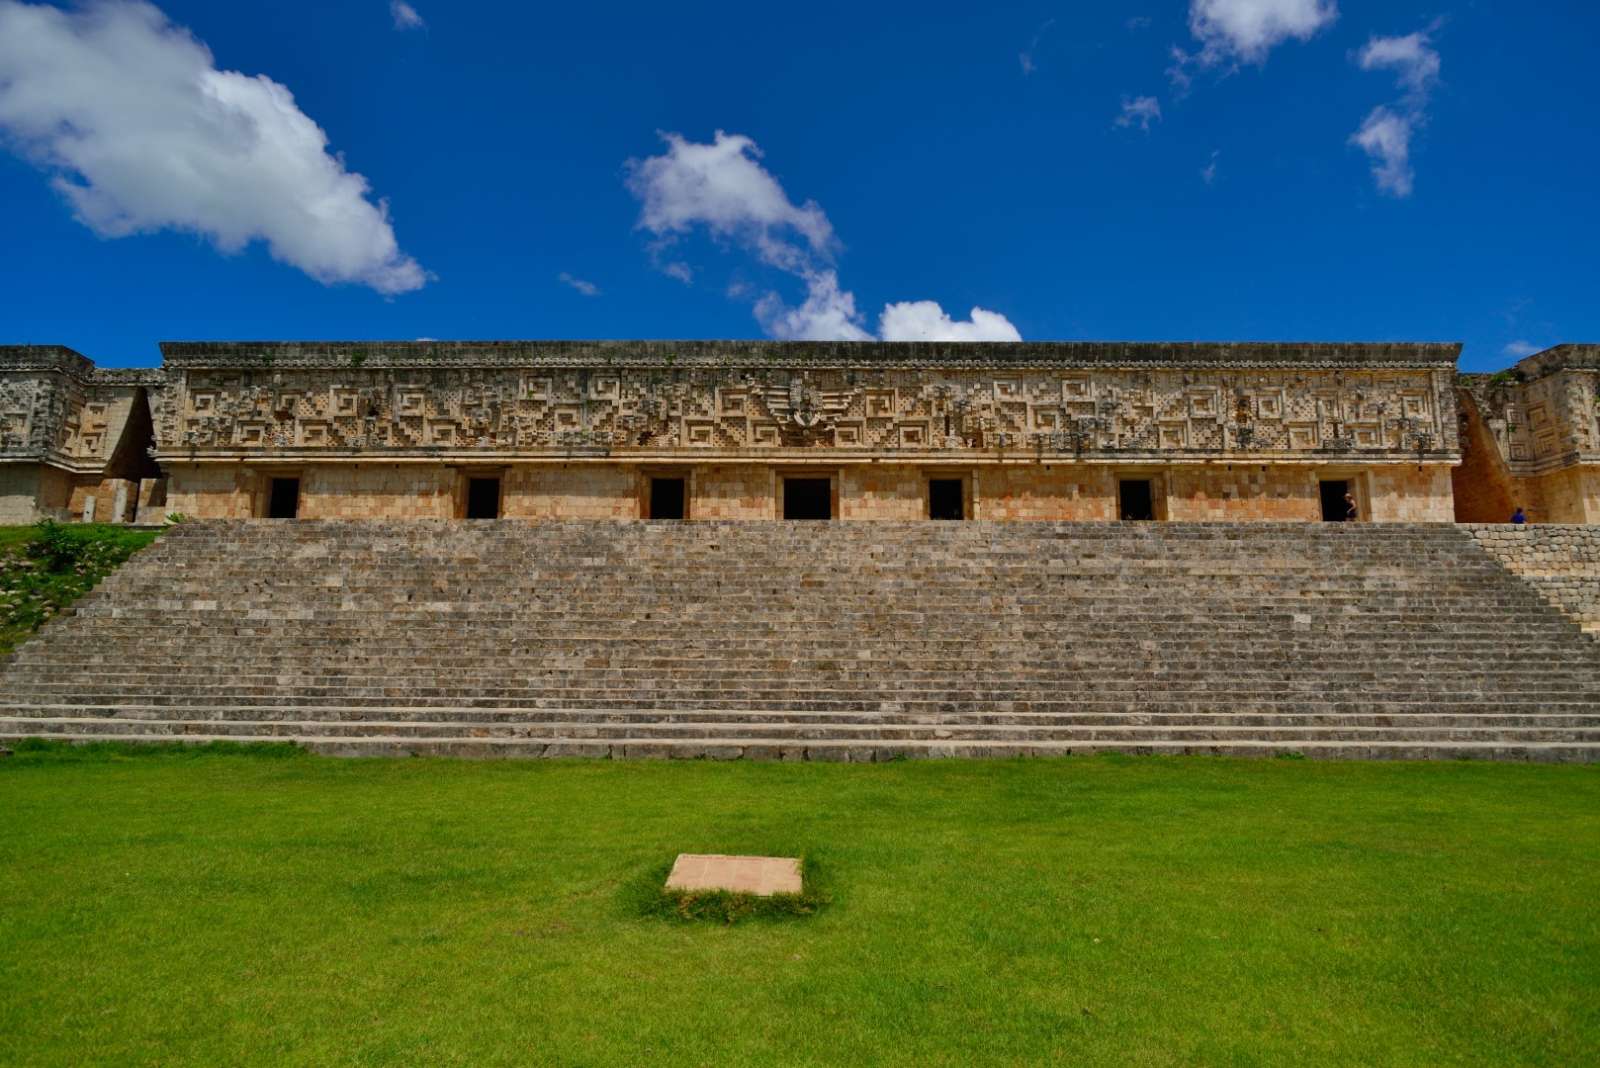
(483, 498)
(945, 499)
(807, 498)
(667, 498)
(283, 502)
(1334, 508)
(1135, 500)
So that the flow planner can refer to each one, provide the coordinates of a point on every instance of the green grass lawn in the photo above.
(45, 567)
(226, 909)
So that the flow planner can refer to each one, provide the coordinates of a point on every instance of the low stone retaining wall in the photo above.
(1561, 561)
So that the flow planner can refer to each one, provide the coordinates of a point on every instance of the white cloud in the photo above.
(1231, 32)
(141, 132)
(1138, 22)
(828, 314)
(1140, 110)
(1208, 173)
(1246, 30)
(1387, 132)
(588, 289)
(1178, 74)
(1026, 57)
(1519, 349)
(723, 188)
(1412, 57)
(924, 320)
(405, 16)
(1385, 136)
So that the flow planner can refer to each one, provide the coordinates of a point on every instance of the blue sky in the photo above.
(968, 155)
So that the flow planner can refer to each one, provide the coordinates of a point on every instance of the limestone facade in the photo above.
(74, 439)
(545, 430)
(1531, 437)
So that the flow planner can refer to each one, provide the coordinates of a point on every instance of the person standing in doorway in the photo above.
(1351, 513)
(1519, 517)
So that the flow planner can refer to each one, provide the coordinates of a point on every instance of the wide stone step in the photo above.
(1126, 706)
(882, 732)
(868, 752)
(537, 678)
(783, 715)
(1177, 685)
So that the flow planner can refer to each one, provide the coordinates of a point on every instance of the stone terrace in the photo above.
(818, 641)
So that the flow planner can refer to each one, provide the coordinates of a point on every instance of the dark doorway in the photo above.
(1333, 506)
(1135, 500)
(284, 500)
(667, 498)
(807, 498)
(483, 498)
(945, 499)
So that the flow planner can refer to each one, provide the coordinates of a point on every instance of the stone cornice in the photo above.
(1561, 358)
(53, 458)
(76, 366)
(865, 355)
(1016, 455)
(129, 376)
(45, 358)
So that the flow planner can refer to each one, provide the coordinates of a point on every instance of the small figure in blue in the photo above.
(1519, 517)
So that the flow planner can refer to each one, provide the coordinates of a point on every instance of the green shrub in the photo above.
(55, 545)
(54, 564)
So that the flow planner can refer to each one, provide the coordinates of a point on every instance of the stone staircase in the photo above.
(823, 641)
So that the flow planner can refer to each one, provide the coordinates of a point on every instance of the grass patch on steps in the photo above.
(47, 566)
(218, 908)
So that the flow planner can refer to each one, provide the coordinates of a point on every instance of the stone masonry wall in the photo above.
(1567, 495)
(733, 493)
(1215, 494)
(19, 492)
(1025, 492)
(1539, 424)
(576, 491)
(1044, 493)
(375, 491)
(213, 491)
(883, 492)
(1405, 494)
(1561, 562)
(1485, 491)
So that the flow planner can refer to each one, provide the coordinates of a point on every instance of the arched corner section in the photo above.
(141, 485)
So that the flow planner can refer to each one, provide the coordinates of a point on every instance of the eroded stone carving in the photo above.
(923, 410)
(530, 399)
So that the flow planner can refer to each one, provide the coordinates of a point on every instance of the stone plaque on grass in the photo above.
(761, 876)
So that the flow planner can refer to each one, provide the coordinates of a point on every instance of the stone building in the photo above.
(1531, 438)
(770, 430)
(75, 440)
